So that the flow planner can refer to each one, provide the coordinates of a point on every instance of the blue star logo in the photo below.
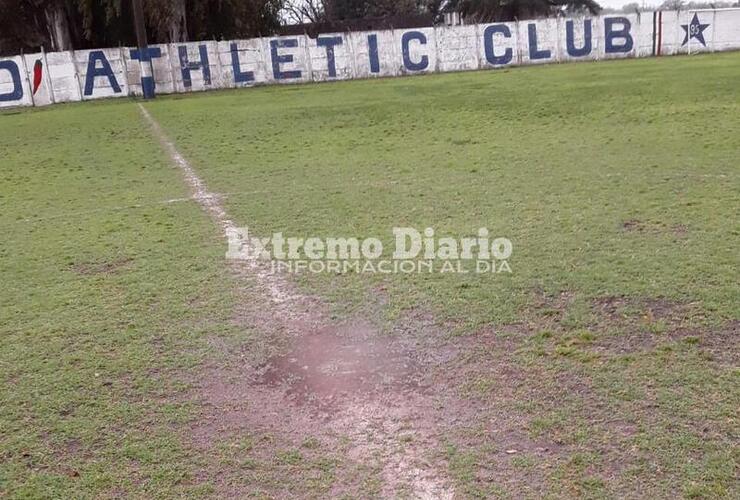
(694, 30)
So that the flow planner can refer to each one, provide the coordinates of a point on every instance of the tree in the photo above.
(227, 19)
(503, 10)
(57, 14)
(672, 5)
(167, 19)
(21, 26)
(326, 11)
(631, 8)
(31, 23)
(78, 24)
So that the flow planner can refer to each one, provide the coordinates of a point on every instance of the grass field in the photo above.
(604, 365)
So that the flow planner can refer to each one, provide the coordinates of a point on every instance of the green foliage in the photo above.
(503, 10)
(67, 24)
(327, 11)
(105, 287)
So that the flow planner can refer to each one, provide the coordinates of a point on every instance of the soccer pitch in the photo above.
(136, 360)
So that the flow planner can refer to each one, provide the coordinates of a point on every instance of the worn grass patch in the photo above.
(604, 365)
(618, 185)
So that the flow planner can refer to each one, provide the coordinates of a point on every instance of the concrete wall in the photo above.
(42, 79)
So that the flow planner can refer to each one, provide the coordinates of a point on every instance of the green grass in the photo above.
(555, 159)
(108, 296)
(615, 179)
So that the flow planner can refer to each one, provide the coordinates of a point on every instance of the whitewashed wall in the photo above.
(190, 67)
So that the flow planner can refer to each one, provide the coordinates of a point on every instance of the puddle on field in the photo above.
(331, 363)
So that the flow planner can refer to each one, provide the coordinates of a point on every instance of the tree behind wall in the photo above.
(66, 24)
(329, 11)
(509, 10)
(230, 19)
(30, 23)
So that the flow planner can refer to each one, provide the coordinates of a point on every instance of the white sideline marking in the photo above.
(211, 203)
(425, 486)
(200, 193)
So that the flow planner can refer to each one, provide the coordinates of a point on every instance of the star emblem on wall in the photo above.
(694, 30)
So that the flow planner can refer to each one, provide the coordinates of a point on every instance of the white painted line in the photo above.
(400, 466)
(211, 203)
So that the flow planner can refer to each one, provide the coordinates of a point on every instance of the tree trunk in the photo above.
(178, 31)
(57, 24)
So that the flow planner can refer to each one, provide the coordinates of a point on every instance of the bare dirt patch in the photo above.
(347, 387)
(633, 225)
(366, 399)
(721, 344)
(104, 268)
(634, 324)
(639, 226)
(337, 362)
